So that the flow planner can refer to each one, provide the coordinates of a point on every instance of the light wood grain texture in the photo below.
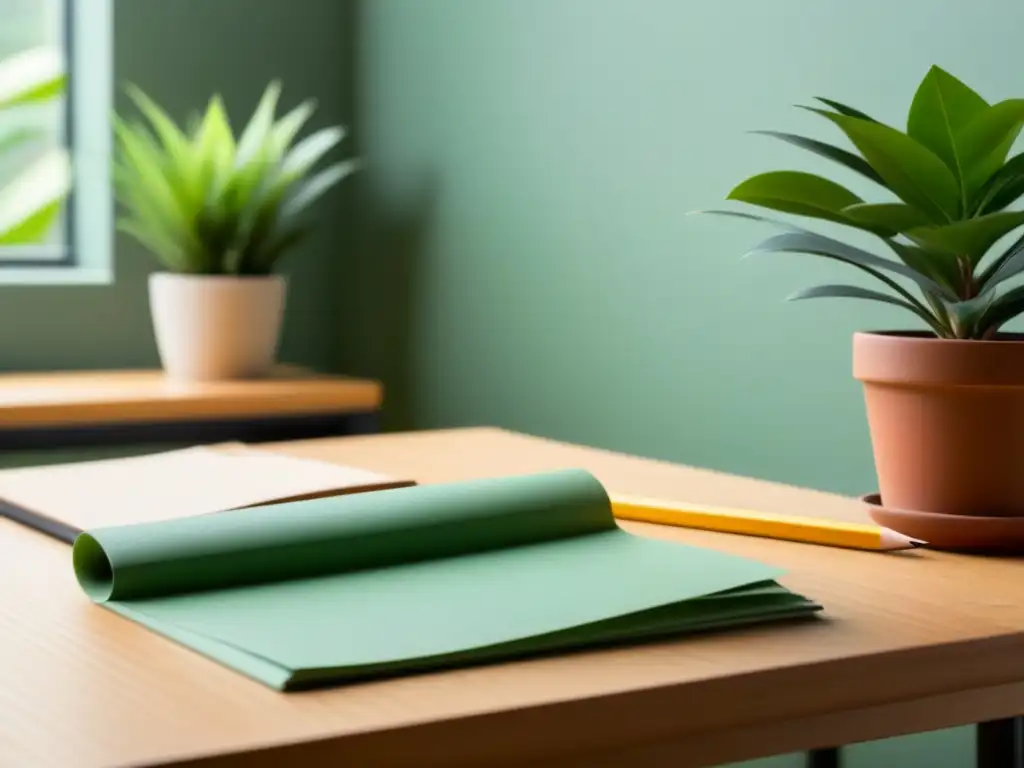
(908, 642)
(119, 397)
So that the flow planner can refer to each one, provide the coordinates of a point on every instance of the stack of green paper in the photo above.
(343, 588)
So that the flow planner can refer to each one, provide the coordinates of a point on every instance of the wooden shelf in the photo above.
(49, 400)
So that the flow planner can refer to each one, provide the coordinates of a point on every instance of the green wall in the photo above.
(529, 263)
(543, 154)
(181, 52)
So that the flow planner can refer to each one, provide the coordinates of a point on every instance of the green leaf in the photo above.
(912, 171)
(966, 315)
(941, 109)
(142, 186)
(841, 156)
(942, 268)
(894, 217)
(987, 140)
(217, 227)
(1001, 311)
(27, 203)
(796, 192)
(750, 217)
(1009, 264)
(1006, 194)
(819, 245)
(1004, 187)
(35, 228)
(257, 161)
(173, 140)
(31, 76)
(215, 147)
(971, 238)
(311, 189)
(856, 292)
(845, 110)
(264, 261)
(268, 183)
(308, 153)
(938, 308)
(912, 256)
(283, 133)
(181, 166)
(992, 129)
(167, 251)
(842, 291)
(868, 263)
(257, 130)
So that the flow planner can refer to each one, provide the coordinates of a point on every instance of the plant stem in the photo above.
(968, 287)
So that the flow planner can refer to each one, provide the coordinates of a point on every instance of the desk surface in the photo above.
(120, 397)
(908, 642)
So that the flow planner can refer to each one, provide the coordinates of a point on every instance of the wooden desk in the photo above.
(908, 642)
(58, 410)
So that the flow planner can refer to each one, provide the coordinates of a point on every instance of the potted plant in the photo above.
(945, 401)
(219, 213)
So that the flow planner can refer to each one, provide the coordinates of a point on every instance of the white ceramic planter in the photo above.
(212, 327)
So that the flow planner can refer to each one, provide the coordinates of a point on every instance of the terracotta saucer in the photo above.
(965, 533)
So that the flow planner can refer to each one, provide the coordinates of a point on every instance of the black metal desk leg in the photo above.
(999, 744)
(823, 758)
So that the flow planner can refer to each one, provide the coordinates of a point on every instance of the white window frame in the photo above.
(90, 79)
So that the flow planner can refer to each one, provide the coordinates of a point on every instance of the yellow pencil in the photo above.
(752, 523)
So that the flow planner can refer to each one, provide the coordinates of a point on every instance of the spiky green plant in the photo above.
(32, 197)
(951, 190)
(207, 204)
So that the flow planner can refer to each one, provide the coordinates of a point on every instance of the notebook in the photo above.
(332, 590)
(65, 499)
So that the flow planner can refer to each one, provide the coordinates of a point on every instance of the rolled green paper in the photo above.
(337, 534)
(389, 582)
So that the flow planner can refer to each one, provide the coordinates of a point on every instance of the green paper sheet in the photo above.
(339, 589)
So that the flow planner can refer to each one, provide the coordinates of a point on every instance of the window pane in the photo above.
(30, 24)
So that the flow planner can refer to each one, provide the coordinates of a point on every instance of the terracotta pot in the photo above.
(946, 420)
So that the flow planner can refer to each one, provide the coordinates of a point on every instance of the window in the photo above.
(55, 209)
(34, 135)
